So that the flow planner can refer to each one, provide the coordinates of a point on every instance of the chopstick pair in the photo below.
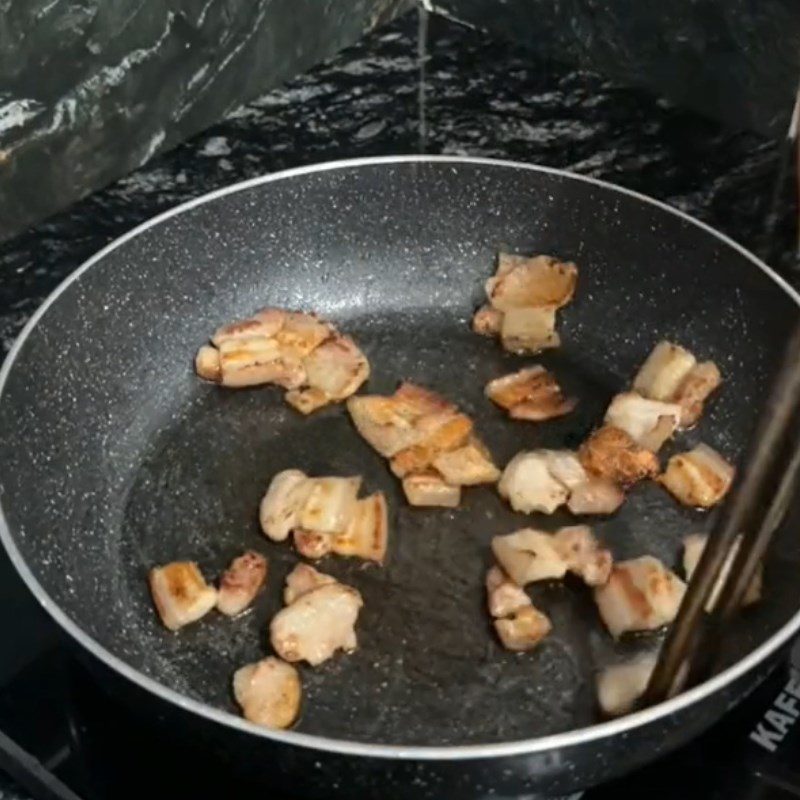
(760, 496)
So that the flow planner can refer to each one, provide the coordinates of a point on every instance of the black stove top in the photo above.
(85, 745)
(483, 97)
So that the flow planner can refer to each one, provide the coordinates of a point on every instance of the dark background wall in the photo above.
(735, 60)
(91, 89)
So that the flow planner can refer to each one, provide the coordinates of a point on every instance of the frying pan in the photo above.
(115, 457)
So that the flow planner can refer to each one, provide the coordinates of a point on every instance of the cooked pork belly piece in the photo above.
(503, 596)
(302, 579)
(620, 686)
(671, 374)
(663, 372)
(611, 453)
(487, 321)
(640, 595)
(268, 692)
(330, 504)
(595, 496)
(693, 547)
(317, 624)
(537, 281)
(695, 390)
(583, 554)
(523, 629)
(528, 484)
(180, 593)
(430, 489)
(529, 555)
(648, 422)
(280, 508)
(468, 465)
(529, 330)
(367, 535)
(312, 544)
(241, 582)
(303, 354)
(699, 478)
(431, 444)
(530, 394)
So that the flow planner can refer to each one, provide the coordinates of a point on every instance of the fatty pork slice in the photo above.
(407, 418)
(330, 504)
(583, 555)
(693, 547)
(503, 596)
(268, 692)
(529, 330)
(279, 512)
(367, 534)
(611, 453)
(430, 489)
(528, 484)
(487, 321)
(317, 624)
(699, 478)
(180, 593)
(621, 685)
(518, 624)
(671, 374)
(588, 494)
(536, 281)
(648, 422)
(529, 555)
(523, 629)
(468, 465)
(640, 595)
(530, 394)
(446, 433)
(334, 370)
(303, 579)
(241, 582)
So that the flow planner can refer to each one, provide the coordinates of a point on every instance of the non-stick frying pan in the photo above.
(115, 457)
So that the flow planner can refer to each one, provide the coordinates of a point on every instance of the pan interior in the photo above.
(115, 458)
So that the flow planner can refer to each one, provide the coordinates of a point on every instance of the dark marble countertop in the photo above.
(480, 96)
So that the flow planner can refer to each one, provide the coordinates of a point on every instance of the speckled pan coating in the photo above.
(114, 457)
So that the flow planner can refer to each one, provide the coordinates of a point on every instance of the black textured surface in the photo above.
(92, 90)
(732, 60)
(173, 468)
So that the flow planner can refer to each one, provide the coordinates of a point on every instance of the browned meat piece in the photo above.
(317, 624)
(430, 489)
(528, 484)
(304, 578)
(583, 554)
(523, 629)
(469, 465)
(530, 394)
(487, 321)
(330, 504)
(451, 434)
(531, 282)
(180, 593)
(312, 544)
(641, 594)
(671, 373)
(268, 692)
(241, 582)
(529, 330)
(612, 454)
(288, 348)
(529, 555)
(695, 390)
(699, 478)
(367, 535)
(648, 422)
(280, 508)
(503, 596)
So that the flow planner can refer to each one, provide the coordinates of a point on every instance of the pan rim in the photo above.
(563, 740)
